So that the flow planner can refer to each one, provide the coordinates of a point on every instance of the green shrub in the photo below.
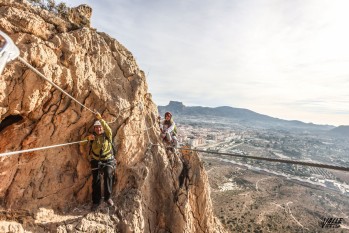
(50, 5)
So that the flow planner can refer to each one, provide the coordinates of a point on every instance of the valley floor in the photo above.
(252, 201)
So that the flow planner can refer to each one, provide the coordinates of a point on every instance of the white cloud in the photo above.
(288, 59)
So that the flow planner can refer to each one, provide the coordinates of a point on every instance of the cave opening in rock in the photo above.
(10, 120)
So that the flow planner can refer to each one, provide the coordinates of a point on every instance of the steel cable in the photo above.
(39, 148)
(52, 83)
(310, 164)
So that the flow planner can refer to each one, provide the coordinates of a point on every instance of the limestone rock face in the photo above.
(103, 75)
(80, 15)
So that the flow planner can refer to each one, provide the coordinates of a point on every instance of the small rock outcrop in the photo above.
(46, 190)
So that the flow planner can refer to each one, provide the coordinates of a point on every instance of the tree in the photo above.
(50, 5)
(62, 9)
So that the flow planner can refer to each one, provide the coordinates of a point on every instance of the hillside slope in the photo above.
(342, 130)
(240, 115)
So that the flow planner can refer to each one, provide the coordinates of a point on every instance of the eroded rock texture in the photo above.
(103, 75)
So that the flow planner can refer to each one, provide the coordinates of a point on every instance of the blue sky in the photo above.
(286, 59)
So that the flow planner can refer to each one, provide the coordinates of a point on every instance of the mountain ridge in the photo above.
(241, 115)
(342, 130)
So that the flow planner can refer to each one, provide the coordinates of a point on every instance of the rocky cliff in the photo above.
(50, 190)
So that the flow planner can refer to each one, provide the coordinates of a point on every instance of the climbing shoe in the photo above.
(110, 202)
(94, 207)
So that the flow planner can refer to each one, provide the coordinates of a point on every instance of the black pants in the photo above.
(106, 167)
(184, 176)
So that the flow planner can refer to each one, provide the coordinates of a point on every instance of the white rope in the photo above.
(52, 83)
(146, 130)
(39, 148)
(140, 105)
(120, 111)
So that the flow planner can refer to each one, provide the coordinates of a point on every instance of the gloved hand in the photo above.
(91, 137)
(98, 116)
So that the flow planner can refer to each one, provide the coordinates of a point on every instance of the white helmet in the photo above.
(97, 123)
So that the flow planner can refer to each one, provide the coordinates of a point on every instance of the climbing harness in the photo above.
(102, 164)
(100, 156)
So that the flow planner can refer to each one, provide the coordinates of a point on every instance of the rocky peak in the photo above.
(176, 105)
(80, 15)
(50, 190)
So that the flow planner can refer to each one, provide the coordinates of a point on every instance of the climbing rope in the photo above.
(39, 148)
(150, 143)
(52, 83)
(122, 110)
(149, 140)
(152, 126)
(141, 107)
(146, 129)
(334, 167)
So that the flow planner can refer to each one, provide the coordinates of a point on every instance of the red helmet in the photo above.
(168, 114)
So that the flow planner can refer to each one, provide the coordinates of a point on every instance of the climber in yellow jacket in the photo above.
(102, 161)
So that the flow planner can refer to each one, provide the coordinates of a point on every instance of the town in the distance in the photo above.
(243, 132)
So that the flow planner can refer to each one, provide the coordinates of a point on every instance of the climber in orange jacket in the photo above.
(102, 161)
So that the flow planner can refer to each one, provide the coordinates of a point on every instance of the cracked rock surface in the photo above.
(50, 190)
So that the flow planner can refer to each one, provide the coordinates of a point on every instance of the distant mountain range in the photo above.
(341, 130)
(241, 116)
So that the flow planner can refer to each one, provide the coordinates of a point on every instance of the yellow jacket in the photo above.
(102, 143)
